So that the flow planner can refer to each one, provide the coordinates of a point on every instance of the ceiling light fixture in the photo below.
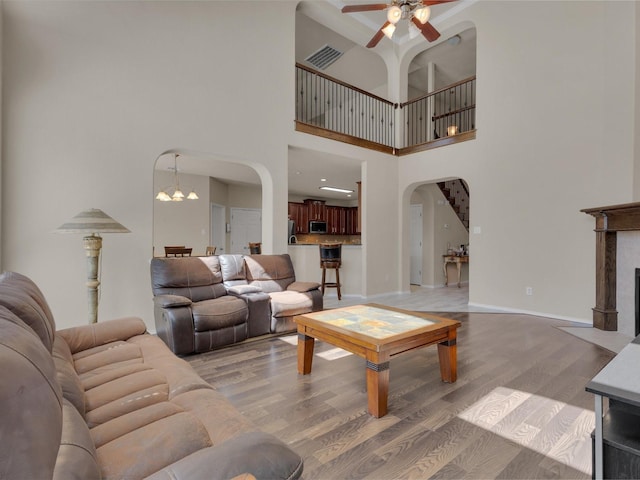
(389, 29)
(394, 14)
(336, 189)
(177, 195)
(416, 12)
(422, 14)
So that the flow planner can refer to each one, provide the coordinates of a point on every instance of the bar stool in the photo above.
(331, 258)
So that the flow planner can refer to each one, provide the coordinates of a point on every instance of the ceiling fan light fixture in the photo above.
(394, 14)
(422, 14)
(388, 30)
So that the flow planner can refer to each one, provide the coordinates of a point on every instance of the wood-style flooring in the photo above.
(518, 410)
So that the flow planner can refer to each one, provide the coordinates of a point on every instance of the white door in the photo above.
(246, 226)
(218, 228)
(415, 245)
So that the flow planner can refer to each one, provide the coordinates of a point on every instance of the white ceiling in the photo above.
(306, 168)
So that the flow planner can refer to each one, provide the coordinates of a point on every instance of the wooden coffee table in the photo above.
(378, 333)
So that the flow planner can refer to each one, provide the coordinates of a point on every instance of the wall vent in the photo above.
(324, 57)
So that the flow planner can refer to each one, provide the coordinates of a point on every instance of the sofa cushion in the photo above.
(244, 289)
(124, 394)
(285, 304)
(270, 459)
(68, 378)
(303, 286)
(77, 458)
(219, 313)
(30, 402)
(152, 447)
(21, 295)
(108, 355)
(197, 278)
(234, 270)
(119, 426)
(272, 273)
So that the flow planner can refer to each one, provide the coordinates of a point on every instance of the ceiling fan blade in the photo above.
(377, 37)
(428, 3)
(370, 7)
(428, 31)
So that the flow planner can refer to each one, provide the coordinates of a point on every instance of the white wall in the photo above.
(542, 153)
(94, 92)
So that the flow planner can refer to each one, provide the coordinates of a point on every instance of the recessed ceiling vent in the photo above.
(323, 57)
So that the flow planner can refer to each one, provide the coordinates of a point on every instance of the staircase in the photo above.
(456, 193)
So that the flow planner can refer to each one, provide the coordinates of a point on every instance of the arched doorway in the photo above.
(438, 225)
(220, 187)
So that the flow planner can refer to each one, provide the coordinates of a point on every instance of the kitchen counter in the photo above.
(306, 262)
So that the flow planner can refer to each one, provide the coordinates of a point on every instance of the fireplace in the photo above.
(609, 221)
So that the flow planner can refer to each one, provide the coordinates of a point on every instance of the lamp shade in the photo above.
(92, 221)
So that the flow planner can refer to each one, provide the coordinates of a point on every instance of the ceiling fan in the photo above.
(416, 11)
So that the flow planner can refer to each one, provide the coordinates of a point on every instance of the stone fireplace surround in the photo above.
(617, 257)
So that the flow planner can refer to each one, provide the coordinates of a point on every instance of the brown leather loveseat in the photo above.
(203, 303)
(111, 401)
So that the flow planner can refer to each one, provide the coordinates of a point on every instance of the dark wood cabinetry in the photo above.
(317, 209)
(298, 212)
(352, 220)
(340, 220)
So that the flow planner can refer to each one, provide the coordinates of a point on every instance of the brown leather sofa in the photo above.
(110, 401)
(202, 303)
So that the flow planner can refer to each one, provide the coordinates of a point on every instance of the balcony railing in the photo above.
(330, 108)
(331, 105)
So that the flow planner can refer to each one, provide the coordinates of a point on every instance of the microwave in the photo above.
(317, 226)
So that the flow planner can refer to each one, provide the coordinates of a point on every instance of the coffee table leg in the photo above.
(448, 355)
(305, 353)
(377, 388)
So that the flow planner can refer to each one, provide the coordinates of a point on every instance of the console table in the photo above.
(458, 260)
(616, 447)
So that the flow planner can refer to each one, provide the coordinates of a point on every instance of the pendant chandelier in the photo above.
(177, 195)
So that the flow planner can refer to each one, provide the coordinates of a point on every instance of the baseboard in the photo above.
(531, 312)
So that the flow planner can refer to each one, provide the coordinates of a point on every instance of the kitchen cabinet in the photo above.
(299, 213)
(317, 209)
(340, 220)
(337, 220)
(352, 221)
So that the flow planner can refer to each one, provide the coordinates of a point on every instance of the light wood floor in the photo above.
(518, 409)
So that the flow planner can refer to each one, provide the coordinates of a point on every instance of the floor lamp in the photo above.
(92, 223)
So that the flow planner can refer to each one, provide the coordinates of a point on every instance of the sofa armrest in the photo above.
(169, 301)
(303, 287)
(256, 453)
(88, 336)
(243, 289)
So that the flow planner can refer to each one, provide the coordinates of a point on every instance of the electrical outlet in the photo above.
(529, 290)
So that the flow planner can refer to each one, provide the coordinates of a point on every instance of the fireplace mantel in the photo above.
(609, 221)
